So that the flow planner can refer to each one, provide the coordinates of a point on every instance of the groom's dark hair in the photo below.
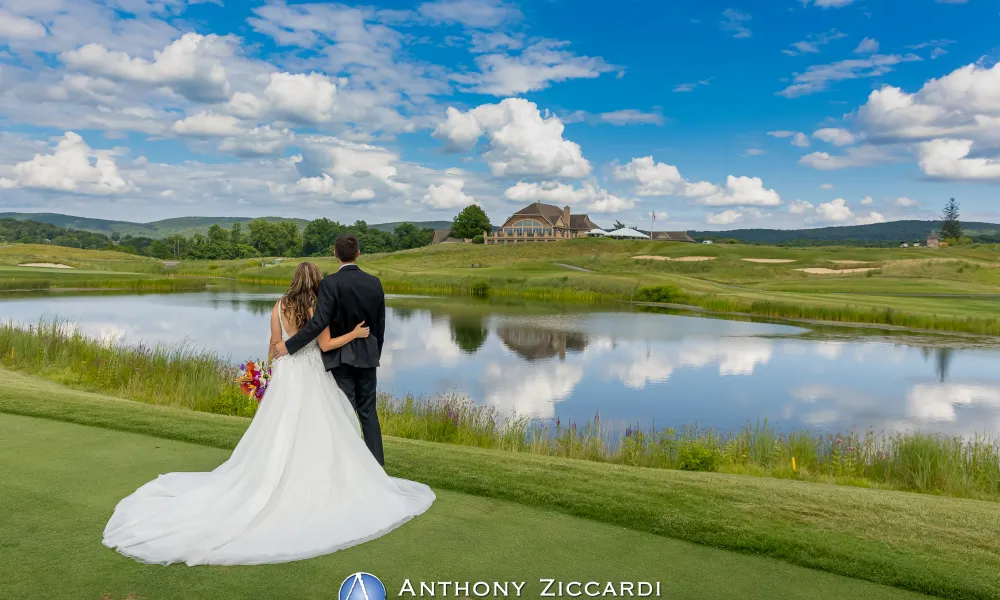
(346, 247)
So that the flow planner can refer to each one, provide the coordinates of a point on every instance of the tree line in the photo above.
(259, 238)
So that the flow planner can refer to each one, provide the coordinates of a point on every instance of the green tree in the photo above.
(372, 240)
(318, 237)
(619, 225)
(160, 249)
(178, 245)
(264, 237)
(409, 236)
(218, 235)
(469, 223)
(288, 239)
(236, 236)
(951, 228)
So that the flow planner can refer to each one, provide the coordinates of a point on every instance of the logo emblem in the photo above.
(362, 586)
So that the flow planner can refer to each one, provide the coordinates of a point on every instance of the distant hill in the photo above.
(186, 226)
(879, 234)
(419, 224)
(892, 232)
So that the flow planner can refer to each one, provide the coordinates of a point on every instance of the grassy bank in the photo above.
(941, 546)
(52, 492)
(182, 377)
(947, 289)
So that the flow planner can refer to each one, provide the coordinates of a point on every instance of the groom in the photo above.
(345, 299)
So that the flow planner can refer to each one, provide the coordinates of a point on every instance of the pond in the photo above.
(662, 370)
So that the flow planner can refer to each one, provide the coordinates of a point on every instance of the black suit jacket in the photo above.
(345, 299)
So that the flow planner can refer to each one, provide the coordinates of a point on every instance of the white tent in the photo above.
(628, 233)
(597, 232)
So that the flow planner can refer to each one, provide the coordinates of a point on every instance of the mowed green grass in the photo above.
(61, 482)
(96, 260)
(729, 283)
(942, 546)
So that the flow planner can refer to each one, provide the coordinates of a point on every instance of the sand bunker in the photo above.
(46, 265)
(823, 271)
(850, 262)
(770, 260)
(678, 259)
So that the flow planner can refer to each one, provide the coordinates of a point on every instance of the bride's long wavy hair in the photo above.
(301, 295)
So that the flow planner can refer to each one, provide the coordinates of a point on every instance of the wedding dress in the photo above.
(301, 483)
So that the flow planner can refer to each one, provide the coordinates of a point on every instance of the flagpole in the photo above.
(652, 219)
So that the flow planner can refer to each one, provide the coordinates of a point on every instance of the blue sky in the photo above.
(712, 115)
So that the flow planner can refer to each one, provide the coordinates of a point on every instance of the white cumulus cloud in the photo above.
(73, 166)
(835, 211)
(949, 159)
(835, 136)
(743, 191)
(522, 141)
(659, 179)
(20, 28)
(592, 197)
(726, 217)
(191, 66)
(858, 156)
(535, 68)
(448, 194)
(206, 124)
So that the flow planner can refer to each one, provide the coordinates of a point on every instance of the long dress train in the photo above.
(300, 483)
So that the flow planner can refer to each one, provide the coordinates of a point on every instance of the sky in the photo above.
(705, 115)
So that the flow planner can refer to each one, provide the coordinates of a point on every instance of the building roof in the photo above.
(442, 236)
(552, 214)
(546, 211)
(933, 236)
(581, 222)
(671, 236)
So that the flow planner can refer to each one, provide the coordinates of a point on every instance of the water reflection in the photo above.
(469, 333)
(641, 368)
(532, 343)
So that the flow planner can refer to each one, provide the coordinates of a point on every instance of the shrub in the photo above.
(480, 289)
(660, 293)
(234, 402)
(699, 456)
(478, 240)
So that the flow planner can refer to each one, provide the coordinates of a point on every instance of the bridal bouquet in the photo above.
(254, 379)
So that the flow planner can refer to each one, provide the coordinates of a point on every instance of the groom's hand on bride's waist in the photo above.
(280, 350)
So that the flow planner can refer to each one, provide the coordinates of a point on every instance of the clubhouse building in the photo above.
(540, 223)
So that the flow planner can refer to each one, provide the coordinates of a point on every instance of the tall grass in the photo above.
(162, 284)
(182, 377)
(174, 375)
(913, 461)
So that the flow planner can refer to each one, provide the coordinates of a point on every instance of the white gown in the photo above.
(301, 483)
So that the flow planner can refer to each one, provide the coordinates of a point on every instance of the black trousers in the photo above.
(359, 386)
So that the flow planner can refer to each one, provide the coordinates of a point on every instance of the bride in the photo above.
(301, 482)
